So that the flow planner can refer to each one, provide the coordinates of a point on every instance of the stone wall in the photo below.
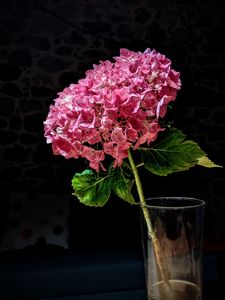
(46, 45)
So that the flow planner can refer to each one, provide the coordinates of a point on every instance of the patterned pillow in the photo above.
(40, 219)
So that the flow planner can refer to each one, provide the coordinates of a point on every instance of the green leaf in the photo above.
(206, 162)
(171, 154)
(91, 188)
(122, 186)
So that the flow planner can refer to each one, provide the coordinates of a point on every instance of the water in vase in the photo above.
(175, 290)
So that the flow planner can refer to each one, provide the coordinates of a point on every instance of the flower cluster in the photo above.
(115, 107)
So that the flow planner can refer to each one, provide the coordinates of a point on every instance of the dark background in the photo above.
(46, 45)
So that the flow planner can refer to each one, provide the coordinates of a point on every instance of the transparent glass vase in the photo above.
(174, 271)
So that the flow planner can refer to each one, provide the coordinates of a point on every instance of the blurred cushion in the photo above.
(36, 219)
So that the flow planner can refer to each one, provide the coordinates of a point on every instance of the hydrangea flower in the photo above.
(117, 106)
(113, 111)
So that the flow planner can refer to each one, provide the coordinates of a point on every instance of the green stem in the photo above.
(160, 259)
(141, 196)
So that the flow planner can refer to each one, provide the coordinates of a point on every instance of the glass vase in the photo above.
(173, 258)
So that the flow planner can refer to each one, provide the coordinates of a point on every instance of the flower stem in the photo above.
(160, 259)
(141, 196)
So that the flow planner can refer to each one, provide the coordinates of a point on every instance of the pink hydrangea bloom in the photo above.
(115, 107)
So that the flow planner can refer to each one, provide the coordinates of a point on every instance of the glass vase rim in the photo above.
(193, 203)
